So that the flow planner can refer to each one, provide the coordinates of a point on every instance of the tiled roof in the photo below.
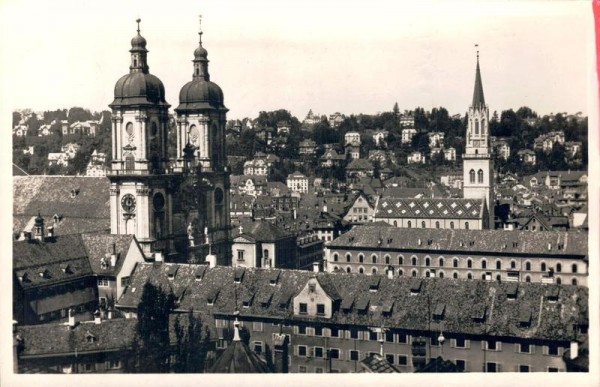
(377, 364)
(60, 259)
(485, 241)
(462, 298)
(360, 164)
(88, 210)
(261, 231)
(238, 358)
(54, 339)
(100, 246)
(389, 207)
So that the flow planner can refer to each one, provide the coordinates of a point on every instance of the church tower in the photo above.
(201, 119)
(478, 167)
(140, 186)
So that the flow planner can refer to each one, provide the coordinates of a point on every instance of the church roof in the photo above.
(238, 358)
(426, 208)
(478, 99)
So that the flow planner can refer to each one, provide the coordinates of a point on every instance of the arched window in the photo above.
(455, 262)
(543, 266)
(335, 268)
(469, 263)
(335, 257)
(400, 260)
(374, 258)
(437, 224)
(400, 272)
(483, 276)
(349, 269)
(427, 261)
(441, 274)
(480, 176)
(414, 273)
(574, 282)
(361, 270)
(427, 274)
(498, 265)
(498, 277)
(527, 278)
(574, 268)
(423, 224)
(266, 253)
(558, 267)
(483, 126)
(409, 225)
(387, 259)
(484, 264)
(374, 270)
(361, 258)
(470, 276)
(528, 266)
(476, 126)
(455, 275)
(558, 280)
(395, 223)
(441, 262)
(414, 261)
(348, 257)
(472, 176)
(513, 264)
(452, 225)
(466, 225)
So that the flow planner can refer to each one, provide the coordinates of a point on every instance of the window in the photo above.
(400, 260)
(258, 347)
(348, 257)
(395, 223)
(483, 264)
(240, 255)
(574, 282)
(334, 332)
(103, 282)
(492, 367)
(349, 269)
(423, 224)
(455, 275)
(402, 338)
(387, 259)
(441, 262)
(113, 364)
(452, 225)
(361, 270)
(472, 176)
(409, 224)
(125, 281)
(257, 326)
(455, 262)
(390, 357)
(466, 225)
(492, 345)
(389, 336)
(552, 369)
(374, 258)
(88, 367)
(437, 224)
(318, 351)
(524, 348)
(402, 360)
(476, 126)
(303, 308)
(528, 266)
(302, 350)
(498, 265)
(469, 263)
(301, 329)
(414, 261)
(302, 369)
(354, 333)
(427, 261)
(574, 268)
(318, 370)
(414, 273)
(461, 343)
(527, 278)
(480, 176)
(543, 266)
(334, 353)
(374, 270)
(558, 267)
(361, 258)
(469, 276)
(335, 257)
(266, 253)
(513, 264)
(354, 355)
(461, 364)
(372, 336)
(320, 309)
(552, 350)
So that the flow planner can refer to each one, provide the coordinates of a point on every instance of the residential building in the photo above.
(44, 130)
(352, 138)
(336, 119)
(408, 134)
(59, 159)
(259, 243)
(380, 137)
(488, 255)
(331, 322)
(527, 156)
(297, 182)
(545, 142)
(450, 154)
(501, 146)
(283, 128)
(359, 168)
(20, 130)
(87, 128)
(360, 211)
(332, 159)
(573, 148)
(248, 185)
(436, 139)
(407, 119)
(307, 147)
(256, 167)
(416, 157)
(311, 118)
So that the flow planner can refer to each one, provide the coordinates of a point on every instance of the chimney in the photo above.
(110, 313)
(325, 207)
(280, 353)
(71, 318)
(158, 257)
(295, 214)
(113, 256)
(574, 352)
(211, 259)
(97, 317)
(316, 267)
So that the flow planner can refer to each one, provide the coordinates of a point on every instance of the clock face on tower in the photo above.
(128, 203)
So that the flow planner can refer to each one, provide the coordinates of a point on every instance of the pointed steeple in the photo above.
(200, 58)
(478, 99)
(139, 62)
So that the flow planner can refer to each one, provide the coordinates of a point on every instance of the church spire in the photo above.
(200, 58)
(478, 99)
(138, 52)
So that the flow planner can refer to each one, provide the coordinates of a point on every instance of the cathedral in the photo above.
(176, 208)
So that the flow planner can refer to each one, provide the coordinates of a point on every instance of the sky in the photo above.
(351, 57)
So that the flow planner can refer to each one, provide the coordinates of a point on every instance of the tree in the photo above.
(78, 114)
(396, 111)
(152, 342)
(191, 346)
(16, 118)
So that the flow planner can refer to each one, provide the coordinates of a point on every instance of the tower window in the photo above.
(476, 126)
(135, 63)
(466, 225)
(452, 225)
(472, 176)
(480, 176)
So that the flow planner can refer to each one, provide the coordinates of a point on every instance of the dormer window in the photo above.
(172, 272)
(439, 311)
(211, 297)
(247, 300)
(90, 338)
(45, 274)
(415, 287)
(199, 273)
(67, 269)
(239, 275)
(347, 303)
(479, 311)
(103, 264)
(284, 300)
(525, 316)
(24, 278)
(273, 278)
(552, 293)
(512, 290)
(387, 307)
(374, 284)
(362, 305)
(265, 299)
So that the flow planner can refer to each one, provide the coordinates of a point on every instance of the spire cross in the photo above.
(138, 23)
(200, 29)
(477, 47)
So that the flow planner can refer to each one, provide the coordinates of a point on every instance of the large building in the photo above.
(546, 257)
(330, 322)
(143, 182)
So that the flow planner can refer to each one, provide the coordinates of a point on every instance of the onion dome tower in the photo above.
(478, 166)
(140, 193)
(201, 119)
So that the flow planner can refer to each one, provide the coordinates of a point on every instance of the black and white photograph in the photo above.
(203, 187)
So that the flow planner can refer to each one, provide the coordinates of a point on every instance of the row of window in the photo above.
(437, 224)
(440, 274)
(441, 262)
